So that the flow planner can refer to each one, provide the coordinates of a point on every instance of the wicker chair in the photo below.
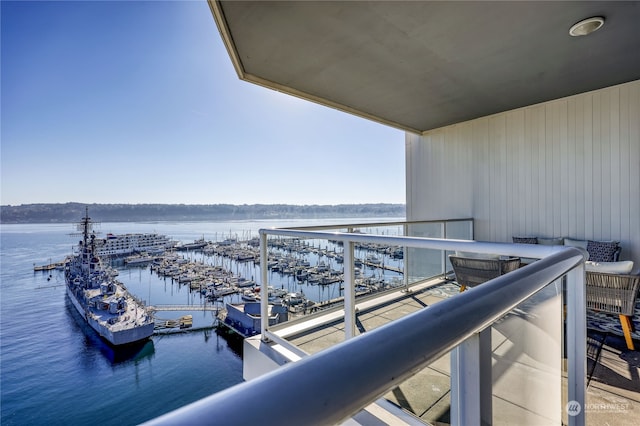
(614, 294)
(473, 271)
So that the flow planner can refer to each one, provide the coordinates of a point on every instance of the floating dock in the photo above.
(49, 266)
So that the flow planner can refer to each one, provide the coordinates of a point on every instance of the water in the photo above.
(54, 370)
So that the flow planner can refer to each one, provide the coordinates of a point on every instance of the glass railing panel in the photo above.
(526, 368)
(457, 230)
(527, 361)
(424, 263)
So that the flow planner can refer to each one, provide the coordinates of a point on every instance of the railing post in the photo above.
(471, 382)
(349, 292)
(405, 255)
(264, 287)
(576, 346)
(443, 235)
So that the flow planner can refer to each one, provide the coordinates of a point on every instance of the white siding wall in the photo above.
(569, 167)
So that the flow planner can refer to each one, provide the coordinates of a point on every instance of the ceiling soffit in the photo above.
(420, 65)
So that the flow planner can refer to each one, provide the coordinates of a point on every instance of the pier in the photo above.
(156, 308)
(49, 267)
(383, 266)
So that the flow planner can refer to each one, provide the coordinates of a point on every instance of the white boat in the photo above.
(138, 259)
(294, 298)
(314, 278)
(100, 299)
(275, 294)
(302, 274)
(196, 245)
(373, 259)
(242, 282)
(244, 256)
(222, 291)
(249, 296)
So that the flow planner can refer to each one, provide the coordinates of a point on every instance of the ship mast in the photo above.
(85, 228)
(86, 224)
(86, 247)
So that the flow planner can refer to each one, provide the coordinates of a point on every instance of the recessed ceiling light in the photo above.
(587, 26)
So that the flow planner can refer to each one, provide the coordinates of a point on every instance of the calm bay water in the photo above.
(54, 370)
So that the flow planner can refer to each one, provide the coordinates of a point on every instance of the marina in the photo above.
(223, 275)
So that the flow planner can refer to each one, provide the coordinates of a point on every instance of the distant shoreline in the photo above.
(72, 212)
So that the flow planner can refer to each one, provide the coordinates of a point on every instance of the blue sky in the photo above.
(138, 102)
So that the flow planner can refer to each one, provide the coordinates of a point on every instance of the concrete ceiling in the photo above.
(420, 65)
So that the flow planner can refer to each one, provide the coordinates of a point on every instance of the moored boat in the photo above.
(103, 302)
(197, 244)
(249, 296)
(138, 259)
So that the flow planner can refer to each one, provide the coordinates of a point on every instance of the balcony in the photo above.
(420, 352)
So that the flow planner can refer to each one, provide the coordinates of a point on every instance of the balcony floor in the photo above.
(613, 392)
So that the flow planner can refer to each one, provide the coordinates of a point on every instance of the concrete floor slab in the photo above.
(440, 413)
(617, 370)
(421, 392)
(374, 322)
(318, 340)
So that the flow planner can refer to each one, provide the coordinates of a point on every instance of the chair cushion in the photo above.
(602, 251)
(621, 267)
(576, 243)
(551, 241)
(474, 255)
(579, 244)
(525, 240)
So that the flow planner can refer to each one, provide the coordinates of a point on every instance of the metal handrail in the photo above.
(524, 250)
(332, 385)
(375, 224)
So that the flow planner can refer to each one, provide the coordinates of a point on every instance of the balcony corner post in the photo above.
(576, 346)
(471, 382)
(264, 287)
(349, 291)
